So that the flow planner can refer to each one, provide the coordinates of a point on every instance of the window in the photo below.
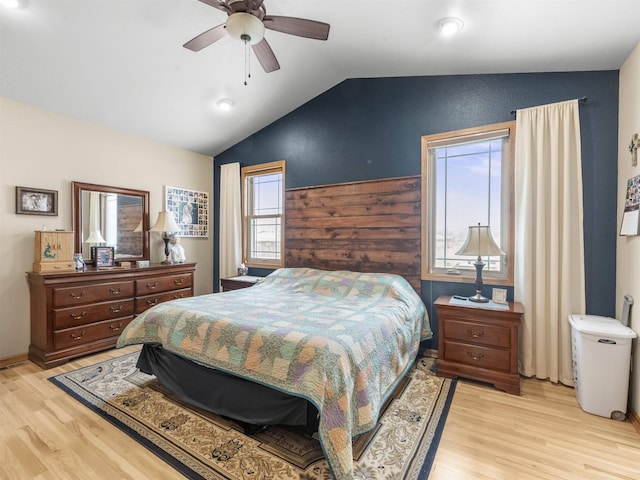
(467, 178)
(263, 214)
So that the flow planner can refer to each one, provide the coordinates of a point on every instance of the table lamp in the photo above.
(165, 224)
(479, 242)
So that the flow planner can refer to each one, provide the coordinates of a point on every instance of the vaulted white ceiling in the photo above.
(121, 64)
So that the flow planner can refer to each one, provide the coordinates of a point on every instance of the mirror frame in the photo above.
(76, 213)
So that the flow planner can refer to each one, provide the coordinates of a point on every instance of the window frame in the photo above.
(507, 204)
(278, 166)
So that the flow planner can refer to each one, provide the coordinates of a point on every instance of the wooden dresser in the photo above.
(479, 342)
(77, 313)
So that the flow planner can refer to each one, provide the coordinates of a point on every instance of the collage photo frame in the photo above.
(190, 210)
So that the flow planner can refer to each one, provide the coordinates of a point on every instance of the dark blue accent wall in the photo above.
(365, 129)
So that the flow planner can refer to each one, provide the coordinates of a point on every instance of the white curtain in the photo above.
(230, 220)
(549, 261)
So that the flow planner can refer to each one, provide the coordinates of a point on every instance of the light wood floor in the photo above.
(45, 434)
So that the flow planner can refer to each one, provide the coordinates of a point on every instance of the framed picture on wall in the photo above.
(190, 210)
(36, 201)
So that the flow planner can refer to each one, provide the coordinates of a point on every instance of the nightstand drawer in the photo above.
(481, 357)
(478, 333)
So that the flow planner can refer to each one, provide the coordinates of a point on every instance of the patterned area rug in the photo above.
(203, 445)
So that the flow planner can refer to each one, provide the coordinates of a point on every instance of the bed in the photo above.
(337, 343)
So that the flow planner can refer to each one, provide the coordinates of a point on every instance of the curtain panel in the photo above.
(549, 261)
(230, 220)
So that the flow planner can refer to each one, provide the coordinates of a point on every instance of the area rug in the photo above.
(202, 445)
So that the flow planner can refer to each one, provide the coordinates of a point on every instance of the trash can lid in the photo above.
(597, 325)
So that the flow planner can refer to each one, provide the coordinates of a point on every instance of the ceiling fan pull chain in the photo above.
(247, 59)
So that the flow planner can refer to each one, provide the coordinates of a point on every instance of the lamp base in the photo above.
(166, 262)
(478, 297)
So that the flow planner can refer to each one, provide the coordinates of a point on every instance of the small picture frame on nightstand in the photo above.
(499, 295)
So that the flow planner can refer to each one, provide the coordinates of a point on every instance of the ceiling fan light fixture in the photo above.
(450, 25)
(242, 25)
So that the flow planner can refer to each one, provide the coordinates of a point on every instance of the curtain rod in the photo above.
(580, 100)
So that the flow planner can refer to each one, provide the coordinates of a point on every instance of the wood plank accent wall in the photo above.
(369, 226)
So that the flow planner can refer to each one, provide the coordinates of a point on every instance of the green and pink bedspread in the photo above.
(342, 340)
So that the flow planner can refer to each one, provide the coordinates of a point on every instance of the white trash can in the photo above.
(601, 351)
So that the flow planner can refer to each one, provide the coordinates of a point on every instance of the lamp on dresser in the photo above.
(479, 242)
(165, 224)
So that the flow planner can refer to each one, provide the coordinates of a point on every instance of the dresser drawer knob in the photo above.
(116, 309)
(180, 281)
(475, 335)
(175, 297)
(115, 291)
(153, 302)
(152, 286)
(480, 356)
(75, 295)
(78, 316)
(78, 337)
(115, 329)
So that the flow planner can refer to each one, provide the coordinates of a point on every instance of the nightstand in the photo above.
(479, 341)
(236, 283)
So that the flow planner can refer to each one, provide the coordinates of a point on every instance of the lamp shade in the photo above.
(95, 237)
(480, 242)
(138, 229)
(165, 223)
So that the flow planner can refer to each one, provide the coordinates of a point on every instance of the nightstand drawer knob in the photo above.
(475, 335)
(480, 356)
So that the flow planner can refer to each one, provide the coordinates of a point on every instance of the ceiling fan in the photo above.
(247, 22)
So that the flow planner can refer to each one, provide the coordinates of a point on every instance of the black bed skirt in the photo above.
(242, 400)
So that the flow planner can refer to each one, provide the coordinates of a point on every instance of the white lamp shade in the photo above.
(165, 223)
(138, 229)
(480, 242)
(239, 24)
(95, 237)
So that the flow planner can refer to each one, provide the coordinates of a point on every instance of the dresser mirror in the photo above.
(105, 216)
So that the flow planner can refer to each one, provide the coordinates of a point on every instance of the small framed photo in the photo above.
(36, 201)
(104, 257)
(499, 295)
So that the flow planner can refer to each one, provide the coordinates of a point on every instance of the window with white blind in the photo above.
(263, 214)
(467, 178)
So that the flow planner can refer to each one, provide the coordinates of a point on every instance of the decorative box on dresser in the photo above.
(479, 342)
(78, 313)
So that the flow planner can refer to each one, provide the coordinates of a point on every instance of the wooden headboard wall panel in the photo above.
(369, 226)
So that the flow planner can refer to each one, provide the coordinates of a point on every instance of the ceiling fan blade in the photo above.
(297, 26)
(219, 4)
(265, 56)
(206, 38)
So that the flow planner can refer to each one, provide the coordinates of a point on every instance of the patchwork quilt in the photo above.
(342, 340)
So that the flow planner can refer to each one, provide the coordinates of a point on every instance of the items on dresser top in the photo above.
(77, 313)
(53, 251)
(479, 342)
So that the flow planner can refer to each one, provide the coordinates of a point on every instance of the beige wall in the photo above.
(628, 256)
(41, 149)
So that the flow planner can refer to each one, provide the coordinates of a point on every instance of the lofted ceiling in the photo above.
(121, 64)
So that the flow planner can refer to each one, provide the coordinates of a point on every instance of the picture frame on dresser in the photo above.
(104, 257)
(36, 201)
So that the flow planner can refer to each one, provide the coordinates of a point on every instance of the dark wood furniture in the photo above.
(236, 283)
(77, 313)
(479, 343)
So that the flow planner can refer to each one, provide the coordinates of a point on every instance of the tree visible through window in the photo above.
(263, 214)
(467, 179)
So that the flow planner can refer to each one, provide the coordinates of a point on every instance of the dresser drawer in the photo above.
(478, 333)
(481, 357)
(81, 294)
(163, 284)
(148, 301)
(90, 313)
(72, 337)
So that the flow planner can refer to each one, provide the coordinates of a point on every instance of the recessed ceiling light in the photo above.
(450, 25)
(14, 3)
(224, 104)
